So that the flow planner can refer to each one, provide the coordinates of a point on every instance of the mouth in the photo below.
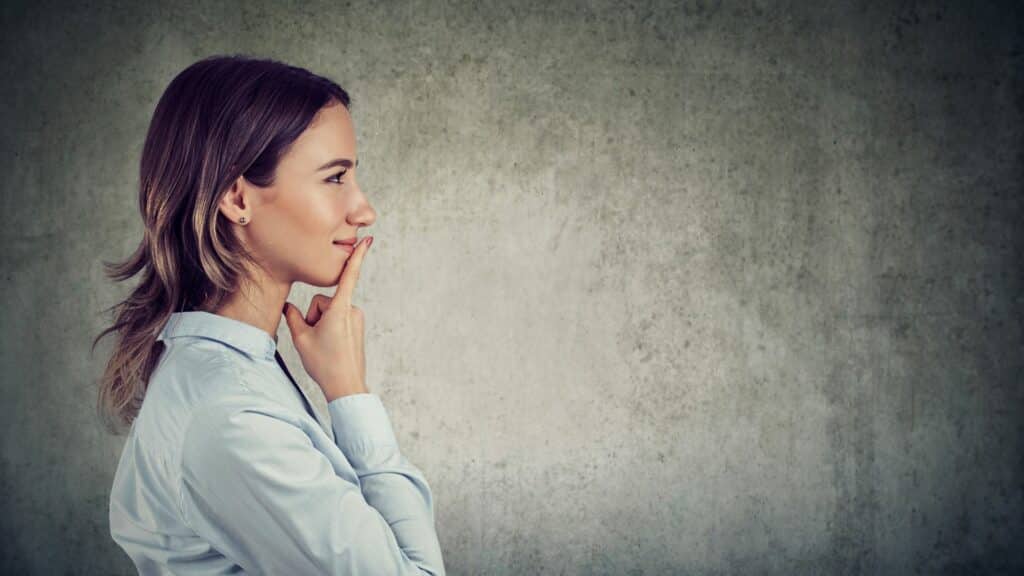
(348, 244)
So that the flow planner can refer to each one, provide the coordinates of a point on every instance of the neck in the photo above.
(260, 306)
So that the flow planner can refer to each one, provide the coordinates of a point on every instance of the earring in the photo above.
(242, 220)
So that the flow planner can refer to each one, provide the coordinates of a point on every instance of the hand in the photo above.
(329, 339)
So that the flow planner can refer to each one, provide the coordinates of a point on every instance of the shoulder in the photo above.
(237, 426)
(185, 377)
(230, 413)
(195, 363)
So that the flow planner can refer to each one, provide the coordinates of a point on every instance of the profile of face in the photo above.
(315, 201)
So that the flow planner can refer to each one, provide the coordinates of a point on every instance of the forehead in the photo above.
(330, 135)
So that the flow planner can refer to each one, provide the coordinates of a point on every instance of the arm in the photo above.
(390, 483)
(257, 489)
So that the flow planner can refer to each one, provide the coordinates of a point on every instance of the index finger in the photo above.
(347, 283)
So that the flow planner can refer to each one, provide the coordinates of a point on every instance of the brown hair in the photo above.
(220, 118)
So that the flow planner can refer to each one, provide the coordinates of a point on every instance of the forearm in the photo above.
(390, 483)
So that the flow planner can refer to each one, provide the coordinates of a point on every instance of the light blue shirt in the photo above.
(228, 469)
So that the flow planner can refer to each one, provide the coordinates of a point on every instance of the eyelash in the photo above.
(338, 175)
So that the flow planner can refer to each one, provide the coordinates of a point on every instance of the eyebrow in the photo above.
(344, 162)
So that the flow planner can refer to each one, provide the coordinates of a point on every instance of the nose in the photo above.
(363, 214)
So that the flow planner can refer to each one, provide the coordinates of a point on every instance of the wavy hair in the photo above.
(220, 118)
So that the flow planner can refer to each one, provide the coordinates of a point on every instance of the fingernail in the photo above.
(369, 241)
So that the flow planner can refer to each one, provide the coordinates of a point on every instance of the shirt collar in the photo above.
(250, 339)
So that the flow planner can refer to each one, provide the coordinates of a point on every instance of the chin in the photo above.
(321, 277)
(322, 280)
(324, 272)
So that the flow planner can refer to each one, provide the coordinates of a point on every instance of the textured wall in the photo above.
(701, 287)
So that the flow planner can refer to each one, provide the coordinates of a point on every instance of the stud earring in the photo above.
(243, 220)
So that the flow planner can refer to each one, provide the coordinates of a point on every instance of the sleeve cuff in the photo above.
(360, 423)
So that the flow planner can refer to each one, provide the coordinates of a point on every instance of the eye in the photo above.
(338, 176)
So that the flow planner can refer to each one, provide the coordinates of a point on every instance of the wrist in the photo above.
(335, 393)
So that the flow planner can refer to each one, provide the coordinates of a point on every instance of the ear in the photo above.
(235, 203)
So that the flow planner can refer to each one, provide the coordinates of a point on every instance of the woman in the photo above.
(248, 185)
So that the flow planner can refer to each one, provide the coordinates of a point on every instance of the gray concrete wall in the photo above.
(658, 288)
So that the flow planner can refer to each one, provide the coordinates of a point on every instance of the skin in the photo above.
(291, 228)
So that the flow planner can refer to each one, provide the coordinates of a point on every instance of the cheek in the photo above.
(307, 238)
(314, 217)
(300, 232)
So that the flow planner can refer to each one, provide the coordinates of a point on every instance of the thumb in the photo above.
(293, 318)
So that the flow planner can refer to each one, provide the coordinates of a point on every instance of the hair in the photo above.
(220, 118)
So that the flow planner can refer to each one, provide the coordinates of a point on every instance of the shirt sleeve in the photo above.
(255, 486)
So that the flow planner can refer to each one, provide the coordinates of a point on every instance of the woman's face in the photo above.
(314, 201)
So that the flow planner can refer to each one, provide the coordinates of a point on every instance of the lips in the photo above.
(348, 244)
